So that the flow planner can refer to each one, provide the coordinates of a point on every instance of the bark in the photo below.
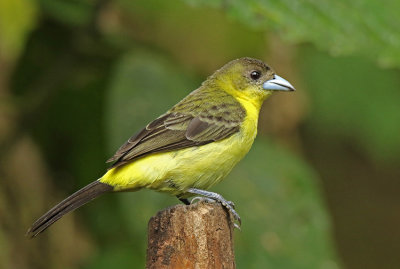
(195, 236)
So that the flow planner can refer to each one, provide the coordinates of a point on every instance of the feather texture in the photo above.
(187, 124)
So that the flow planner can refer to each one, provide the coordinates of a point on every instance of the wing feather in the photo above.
(182, 128)
(170, 132)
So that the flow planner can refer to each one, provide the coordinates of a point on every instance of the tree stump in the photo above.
(194, 236)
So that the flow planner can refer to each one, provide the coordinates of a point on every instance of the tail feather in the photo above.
(79, 198)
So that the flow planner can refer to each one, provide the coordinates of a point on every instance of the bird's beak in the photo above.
(278, 84)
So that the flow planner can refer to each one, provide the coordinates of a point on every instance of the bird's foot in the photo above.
(215, 197)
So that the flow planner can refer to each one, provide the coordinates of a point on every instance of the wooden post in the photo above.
(195, 236)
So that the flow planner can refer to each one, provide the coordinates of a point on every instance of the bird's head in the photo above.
(250, 79)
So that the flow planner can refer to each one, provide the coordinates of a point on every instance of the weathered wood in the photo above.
(195, 236)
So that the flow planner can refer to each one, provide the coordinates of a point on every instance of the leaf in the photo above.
(363, 27)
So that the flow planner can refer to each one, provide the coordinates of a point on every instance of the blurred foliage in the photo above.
(73, 12)
(22, 14)
(288, 189)
(367, 28)
(80, 77)
(375, 124)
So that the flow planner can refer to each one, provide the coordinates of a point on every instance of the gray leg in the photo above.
(217, 197)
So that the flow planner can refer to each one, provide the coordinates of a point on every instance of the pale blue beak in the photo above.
(278, 84)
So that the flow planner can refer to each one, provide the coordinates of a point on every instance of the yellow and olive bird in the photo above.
(191, 147)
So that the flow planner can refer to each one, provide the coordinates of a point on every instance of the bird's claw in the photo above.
(229, 205)
(232, 204)
(215, 197)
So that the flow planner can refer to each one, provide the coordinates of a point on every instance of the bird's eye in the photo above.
(255, 75)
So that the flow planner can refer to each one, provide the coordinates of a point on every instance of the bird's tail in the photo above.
(79, 198)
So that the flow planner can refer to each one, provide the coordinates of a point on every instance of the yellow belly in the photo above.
(196, 167)
(174, 172)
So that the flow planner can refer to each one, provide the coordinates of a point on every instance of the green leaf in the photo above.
(363, 27)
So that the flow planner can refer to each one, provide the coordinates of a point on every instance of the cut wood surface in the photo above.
(195, 236)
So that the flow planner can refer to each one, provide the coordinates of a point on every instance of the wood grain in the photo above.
(194, 236)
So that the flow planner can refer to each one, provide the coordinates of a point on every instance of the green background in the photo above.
(319, 189)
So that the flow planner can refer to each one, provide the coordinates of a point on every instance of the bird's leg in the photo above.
(217, 197)
(185, 201)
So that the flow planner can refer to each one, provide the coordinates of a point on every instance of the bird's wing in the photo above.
(173, 131)
(196, 120)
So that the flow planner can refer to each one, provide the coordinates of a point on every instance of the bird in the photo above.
(191, 147)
